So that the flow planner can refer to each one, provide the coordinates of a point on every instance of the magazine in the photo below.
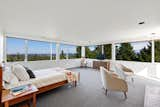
(21, 89)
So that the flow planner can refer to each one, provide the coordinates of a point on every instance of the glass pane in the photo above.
(74, 51)
(135, 51)
(69, 51)
(93, 52)
(15, 49)
(38, 50)
(108, 51)
(157, 51)
(63, 51)
(53, 51)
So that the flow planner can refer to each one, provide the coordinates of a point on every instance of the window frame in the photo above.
(26, 48)
(95, 54)
(113, 52)
(6, 48)
(38, 54)
(151, 61)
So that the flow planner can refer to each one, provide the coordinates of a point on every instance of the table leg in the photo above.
(75, 83)
(6, 104)
(34, 100)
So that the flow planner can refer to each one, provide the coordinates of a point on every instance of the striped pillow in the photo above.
(20, 72)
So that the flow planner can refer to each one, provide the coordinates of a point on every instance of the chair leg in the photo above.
(75, 83)
(125, 95)
(132, 80)
(106, 91)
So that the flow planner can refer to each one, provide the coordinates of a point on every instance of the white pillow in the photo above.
(10, 78)
(20, 72)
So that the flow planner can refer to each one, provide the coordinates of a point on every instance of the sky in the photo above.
(15, 45)
(92, 48)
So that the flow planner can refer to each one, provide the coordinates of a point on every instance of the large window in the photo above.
(38, 50)
(74, 51)
(108, 51)
(63, 51)
(15, 49)
(69, 51)
(135, 51)
(93, 52)
(157, 51)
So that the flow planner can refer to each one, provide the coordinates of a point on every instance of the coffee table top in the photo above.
(7, 96)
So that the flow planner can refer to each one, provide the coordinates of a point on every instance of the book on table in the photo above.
(21, 89)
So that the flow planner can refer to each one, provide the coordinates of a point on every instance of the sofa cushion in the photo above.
(20, 72)
(30, 73)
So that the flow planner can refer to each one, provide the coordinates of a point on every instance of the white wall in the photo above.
(143, 68)
(140, 68)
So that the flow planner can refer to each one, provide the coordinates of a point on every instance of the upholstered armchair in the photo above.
(123, 71)
(83, 62)
(113, 82)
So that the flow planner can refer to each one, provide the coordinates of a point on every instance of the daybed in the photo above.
(46, 79)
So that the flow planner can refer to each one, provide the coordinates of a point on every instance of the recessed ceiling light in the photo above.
(141, 23)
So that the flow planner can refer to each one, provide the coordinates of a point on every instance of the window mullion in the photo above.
(113, 52)
(26, 51)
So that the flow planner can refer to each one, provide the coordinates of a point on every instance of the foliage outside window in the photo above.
(108, 51)
(157, 51)
(135, 51)
(78, 51)
(93, 52)
(63, 51)
(15, 49)
(38, 50)
(69, 51)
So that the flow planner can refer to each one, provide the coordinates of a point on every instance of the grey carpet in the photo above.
(89, 93)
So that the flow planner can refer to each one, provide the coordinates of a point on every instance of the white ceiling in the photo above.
(81, 22)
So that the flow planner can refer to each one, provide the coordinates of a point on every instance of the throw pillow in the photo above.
(20, 72)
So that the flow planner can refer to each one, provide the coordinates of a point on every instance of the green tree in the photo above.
(157, 51)
(93, 53)
(62, 55)
(78, 54)
(125, 52)
(108, 51)
(145, 54)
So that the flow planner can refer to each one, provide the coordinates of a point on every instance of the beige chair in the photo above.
(83, 62)
(124, 72)
(112, 82)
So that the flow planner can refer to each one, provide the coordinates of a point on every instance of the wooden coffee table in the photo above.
(8, 99)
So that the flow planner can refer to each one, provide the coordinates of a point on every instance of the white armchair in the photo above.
(113, 82)
(83, 62)
(123, 71)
